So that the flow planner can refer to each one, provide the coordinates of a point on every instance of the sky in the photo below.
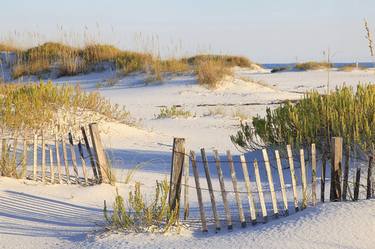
(265, 31)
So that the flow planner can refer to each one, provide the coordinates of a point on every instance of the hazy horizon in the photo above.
(266, 32)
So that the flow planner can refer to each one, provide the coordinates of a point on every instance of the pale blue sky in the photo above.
(264, 30)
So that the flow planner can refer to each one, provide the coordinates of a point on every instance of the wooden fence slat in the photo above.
(260, 191)
(35, 157)
(235, 188)
(52, 170)
(92, 161)
(313, 174)
(282, 182)
(178, 157)
(357, 184)
(4, 151)
(186, 187)
(223, 191)
(73, 157)
(43, 159)
(101, 158)
(24, 157)
(58, 161)
(336, 160)
(346, 172)
(293, 177)
(199, 191)
(14, 153)
(210, 189)
(323, 178)
(303, 178)
(66, 163)
(270, 183)
(369, 178)
(253, 215)
(83, 162)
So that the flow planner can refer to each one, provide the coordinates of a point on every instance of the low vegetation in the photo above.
(346, 113)
(350, 68)
(136, 214)
(173, 112)
(32, 107)
(312, 65)
(210, 73)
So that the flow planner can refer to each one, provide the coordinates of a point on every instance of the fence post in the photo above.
(35, 157)
(84, 171)
(101, 158)
(293, 177)
(186, 187)
(65, 155)
(43, 158)
(73, 157)
(24, 159)
(323, 178)
(346, 172)
(282, 182)
(313, 173)
(235, 189)
(357, 183)
(92, 161)
(270, 182)
(369, 176)
(51, 169)
(210, 189)
(303, 178)
(178, 157)
(336, 169)
(199, 192)
(223, 191)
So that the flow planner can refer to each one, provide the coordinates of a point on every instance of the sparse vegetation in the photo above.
(173, 112)
(350, 68)
(137, 215)
(279, 69)
(226, 60)
(312, 65)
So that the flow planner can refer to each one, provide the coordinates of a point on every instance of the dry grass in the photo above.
(5, 47)
(227, 60)
(211, 72)
(313, 65)
(350, 68)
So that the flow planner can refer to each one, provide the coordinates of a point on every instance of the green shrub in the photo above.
(316, 118)
(137, 215)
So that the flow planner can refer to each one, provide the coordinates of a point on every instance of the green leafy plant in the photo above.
(173, 112)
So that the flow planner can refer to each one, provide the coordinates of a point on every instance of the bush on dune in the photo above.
(211, 72)
(313, 65)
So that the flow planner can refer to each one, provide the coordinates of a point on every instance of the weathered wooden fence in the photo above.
(77, 158)
(299, 183)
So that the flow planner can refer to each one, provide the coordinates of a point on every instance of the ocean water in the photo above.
(335, 65)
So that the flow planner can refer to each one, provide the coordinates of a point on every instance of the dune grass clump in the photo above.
(173, 112)
(350, 68)
(138, 215)
(44, 105)
(345, 113)
(312, 65)
(210, 73)
(226, 60)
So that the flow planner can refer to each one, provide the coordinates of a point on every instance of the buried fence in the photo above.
(56, 159)
(299, 182)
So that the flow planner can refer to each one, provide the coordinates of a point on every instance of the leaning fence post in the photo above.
(101, 158)
(313, 174)
(293, 177)
(178, 157)
(270, 182)
(303, 178)
(58, 161)
(369, 176)
(245, 171)
(210, 189)
(282, 182)
(199, 191)
(223, 191)
(73, 157)
(84, 171)
(235, 189)
(92, 161)
(335, 193)
(52, 170)
(260, 191)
